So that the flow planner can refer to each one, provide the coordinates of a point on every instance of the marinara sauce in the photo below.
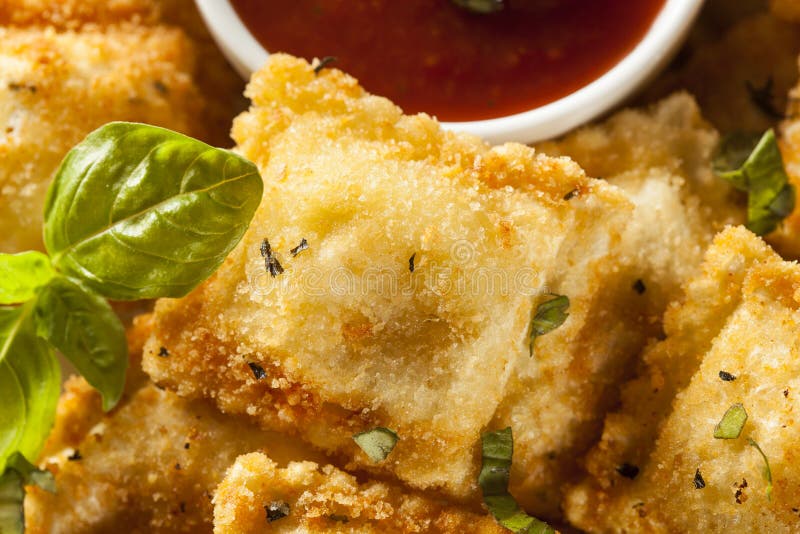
(431, 56)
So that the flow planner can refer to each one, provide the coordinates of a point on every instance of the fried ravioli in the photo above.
(257, 496)
(151, 465)
(57, 87)
(427, 254)
(733, 339)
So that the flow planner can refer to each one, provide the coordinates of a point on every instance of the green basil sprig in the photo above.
(134, 211)
(139, 212)
(754, 164)
(497, 451)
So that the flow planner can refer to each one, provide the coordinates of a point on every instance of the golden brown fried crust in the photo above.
(739, 316)
(79, 408)
(325, 499)
(368, 187)
(152, 465)
(220, 86)
(661, 158)
(57, 87)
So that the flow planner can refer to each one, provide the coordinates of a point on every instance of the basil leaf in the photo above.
(19, 473)
(377, 443)
(481, 6)
(497, 451)
(12, 412)
(88, 333)
(549, 315)
(137, 211)
(21, 274)
(766, 472)
(30, 382)
(732, 423)
(755, 165)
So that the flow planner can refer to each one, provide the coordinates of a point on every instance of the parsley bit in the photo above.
(258, 371)
(299, 248)
(699, 483)
(726, 376)
(628, 471)
(163, 352)
(639, 286)
(549, 315)
(276, 510)
(271, 263)
(411, 262)
(377, 443)
(75, 456)
(732, 423)
(572, 194)
(323, 63)
(764, 98)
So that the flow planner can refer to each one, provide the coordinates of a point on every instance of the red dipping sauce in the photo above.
(431, 56)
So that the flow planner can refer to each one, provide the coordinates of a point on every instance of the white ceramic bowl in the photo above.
(651, 54)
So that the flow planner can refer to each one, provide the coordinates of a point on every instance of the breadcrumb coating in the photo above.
(152, 465)
(325, 499)
(55, 88)
(740, 317)
(343, 349)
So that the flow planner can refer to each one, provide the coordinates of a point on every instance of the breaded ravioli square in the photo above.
(55, 88)
(257, 496)
(409, 306)
(151, 466)
(734, 340)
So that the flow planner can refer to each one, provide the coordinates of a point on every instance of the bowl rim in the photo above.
(650, 55)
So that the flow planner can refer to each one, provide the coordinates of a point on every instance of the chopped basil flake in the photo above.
(549, 315)
(276, 510)
(766, 472)
(271, 263)
(639, 286)
(699, 483)
(731, 424)
(756, 166)
(497, 452)
(258, 371)
(726, 376)
(323, 63)
(481, 6)
(75, 456)
(299, 248)
(572, 194)
(628, 470)
(764, 98)
(376, 443)
(411, 262)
